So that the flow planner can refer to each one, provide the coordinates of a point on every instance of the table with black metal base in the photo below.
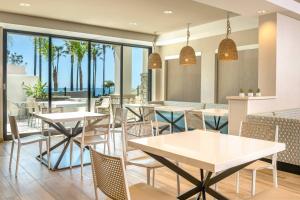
(202, 186)
(171, 121)
(217, 126)
(138, 114)
(60, 152)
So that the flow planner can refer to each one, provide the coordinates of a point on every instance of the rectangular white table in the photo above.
(57, 120)
(219, 154)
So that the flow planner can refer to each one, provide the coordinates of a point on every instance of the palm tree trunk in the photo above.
(34, 56)
(72, 66)
(81, 81)
(103, 67)
(77, 76)
(94, 75)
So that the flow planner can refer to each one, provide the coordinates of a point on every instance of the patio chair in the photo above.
(104, 106)
(259, 131)
(46, 128)
(194, 120)
(150, 119)
(110, 177)
(21, 141)
(141, 161)
(95, 131)
(119, 118)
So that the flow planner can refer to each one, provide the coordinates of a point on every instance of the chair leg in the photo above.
(253, 182)
(148, 176)
(49, 146)
(40, 149)
(96, 193)
(170, 128)
(237, 182)
(275, 181)
(108, 147)
(81, 161)
(18, 158)
(114, 140)
(71, 153)
(11, 154)
(178, 181)
(48, 151)
(153, 177)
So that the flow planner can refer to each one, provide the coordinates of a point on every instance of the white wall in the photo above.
(207, 47)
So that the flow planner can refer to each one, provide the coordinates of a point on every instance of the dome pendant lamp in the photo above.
(227, 49)
(154, 60)
(187, 54)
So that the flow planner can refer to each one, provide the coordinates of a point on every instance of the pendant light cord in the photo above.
(154, 42)
(188, 34)
(228, 26)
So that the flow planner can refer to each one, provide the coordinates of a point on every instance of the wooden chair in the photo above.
(46, 128)
(259, 131)
(104, 106)
(120, 116)
(141, 161)
(37, 138)
(95, 131)
(150, 119)
(194, 120)
(110, 177)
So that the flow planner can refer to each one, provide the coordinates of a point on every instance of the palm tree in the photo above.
(80, 50)
(97, 50)
(41, 42)
(105, 46)
(71, 50)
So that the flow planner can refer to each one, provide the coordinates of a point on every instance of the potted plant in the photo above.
(250, 93)
(37, 91)
(258, 94)
(242, 93)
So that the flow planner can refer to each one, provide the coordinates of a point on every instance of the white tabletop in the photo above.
(173, 108)
(219, 112)
(68, 116)
(207, 150)
(140, 105)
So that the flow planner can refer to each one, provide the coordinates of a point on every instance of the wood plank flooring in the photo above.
(36, 182)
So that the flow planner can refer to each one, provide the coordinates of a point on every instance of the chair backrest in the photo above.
(194, 120)
(96, 126)
(109, 175)
(120, 115)
(260, 131)
(148, 114)
(14, 127)
(52, 110)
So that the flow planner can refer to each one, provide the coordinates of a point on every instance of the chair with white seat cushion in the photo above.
(21, 141)
(95, 131)
(259, 131)
(110, 177)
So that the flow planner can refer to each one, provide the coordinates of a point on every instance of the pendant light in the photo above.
(154, 60)
(227, 48)
(187, 53)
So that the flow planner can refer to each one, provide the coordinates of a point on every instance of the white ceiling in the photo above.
(147, 14)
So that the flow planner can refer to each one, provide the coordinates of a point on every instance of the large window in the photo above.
(45, 71)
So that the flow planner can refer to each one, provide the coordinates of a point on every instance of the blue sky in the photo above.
(23, 45)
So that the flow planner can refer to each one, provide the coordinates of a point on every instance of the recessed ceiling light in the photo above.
(168, 12)
(25, 4)
(133, 23)
(261, 12)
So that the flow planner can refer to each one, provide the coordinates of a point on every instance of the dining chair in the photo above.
(21, 141)
(265, 132)
(120, 115)
(150, 119)
(194, 120)
(144, 161)
(104, 106)
(95, 131)
(110, 177)
(46, 128)
(32, 110)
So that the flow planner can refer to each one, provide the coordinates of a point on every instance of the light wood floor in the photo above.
(36, 182)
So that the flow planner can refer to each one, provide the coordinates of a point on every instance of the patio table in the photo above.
(57, 120)
(172, 109)
(219, 154)
(217, 114)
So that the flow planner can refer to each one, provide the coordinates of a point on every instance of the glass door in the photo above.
(69, 74)
(26, 79)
